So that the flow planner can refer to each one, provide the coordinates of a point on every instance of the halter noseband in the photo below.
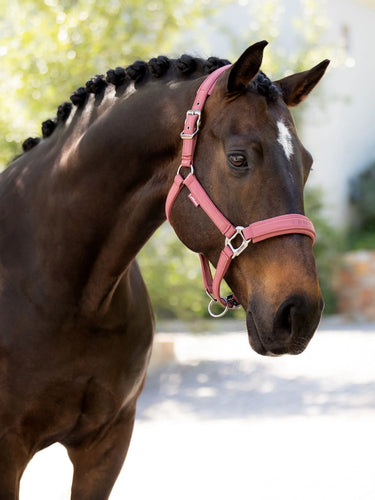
(258, 231)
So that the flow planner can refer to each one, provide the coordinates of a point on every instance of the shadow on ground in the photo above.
(238, 389)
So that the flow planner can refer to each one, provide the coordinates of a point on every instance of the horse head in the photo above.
(252, 165)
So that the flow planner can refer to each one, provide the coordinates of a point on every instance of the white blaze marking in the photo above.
(285, 139)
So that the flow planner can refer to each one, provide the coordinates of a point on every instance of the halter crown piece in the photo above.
(236, 238)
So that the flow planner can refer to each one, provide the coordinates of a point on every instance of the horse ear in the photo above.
(296, 87)
(247, 66)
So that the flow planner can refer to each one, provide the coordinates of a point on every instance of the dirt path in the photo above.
(224, 423)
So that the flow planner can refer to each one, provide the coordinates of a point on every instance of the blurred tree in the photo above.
(48, 48)
(173, 277)
(361, 230)
(330, 242)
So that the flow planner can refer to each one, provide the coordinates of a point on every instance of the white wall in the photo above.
(341, 134)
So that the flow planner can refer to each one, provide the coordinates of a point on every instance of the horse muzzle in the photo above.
(288, 330)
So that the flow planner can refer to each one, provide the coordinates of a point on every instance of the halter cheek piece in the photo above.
(236, 238)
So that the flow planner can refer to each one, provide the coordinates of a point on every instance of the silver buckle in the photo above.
(237, 250)
(192, 112)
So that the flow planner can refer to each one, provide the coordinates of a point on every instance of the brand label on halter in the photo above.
(193, 200)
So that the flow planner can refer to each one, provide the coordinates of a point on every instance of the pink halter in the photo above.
(258, 231)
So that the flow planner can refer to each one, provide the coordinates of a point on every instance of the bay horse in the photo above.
(78, 205)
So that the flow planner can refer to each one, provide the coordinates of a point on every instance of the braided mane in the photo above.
(140, 72)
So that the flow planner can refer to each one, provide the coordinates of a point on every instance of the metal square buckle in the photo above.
(237, 250)
(192, 112)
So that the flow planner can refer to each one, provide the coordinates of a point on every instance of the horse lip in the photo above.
(254, 337)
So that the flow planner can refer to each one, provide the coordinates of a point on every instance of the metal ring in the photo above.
(220, 314)
(185, 166)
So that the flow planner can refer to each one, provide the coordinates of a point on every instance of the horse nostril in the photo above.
(284, 320)
(289, 317)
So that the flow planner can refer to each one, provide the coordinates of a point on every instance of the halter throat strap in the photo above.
(236, 238)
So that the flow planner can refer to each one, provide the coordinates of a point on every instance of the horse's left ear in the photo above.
(245, 69)
(296, 87)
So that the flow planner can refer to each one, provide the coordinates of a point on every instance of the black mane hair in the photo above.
(140, 72)
(262, 85)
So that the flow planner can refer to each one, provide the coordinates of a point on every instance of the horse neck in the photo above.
(124, 165)
(130, 156)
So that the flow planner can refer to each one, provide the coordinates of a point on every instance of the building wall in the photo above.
(339, 129)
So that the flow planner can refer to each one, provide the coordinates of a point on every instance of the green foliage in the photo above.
(362, 197)
(271, 20)
(361, 232)
(172, 275)
(48, 48)
(358, 239)
(328, 246)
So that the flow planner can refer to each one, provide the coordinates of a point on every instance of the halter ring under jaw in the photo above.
(215, 301)
(255, 232)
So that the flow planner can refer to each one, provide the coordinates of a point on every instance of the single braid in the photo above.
(48, 127)
(96, 85)
(116, 76)
(214, 63)
(79, 96)
(186, 64)
(158, 66)
(63, 111)
(29, 143)
(137, 71)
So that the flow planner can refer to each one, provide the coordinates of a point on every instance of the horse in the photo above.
(79, 203)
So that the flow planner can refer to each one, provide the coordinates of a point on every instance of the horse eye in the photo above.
(237, 160)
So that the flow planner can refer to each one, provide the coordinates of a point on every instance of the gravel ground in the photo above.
(222, 422)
